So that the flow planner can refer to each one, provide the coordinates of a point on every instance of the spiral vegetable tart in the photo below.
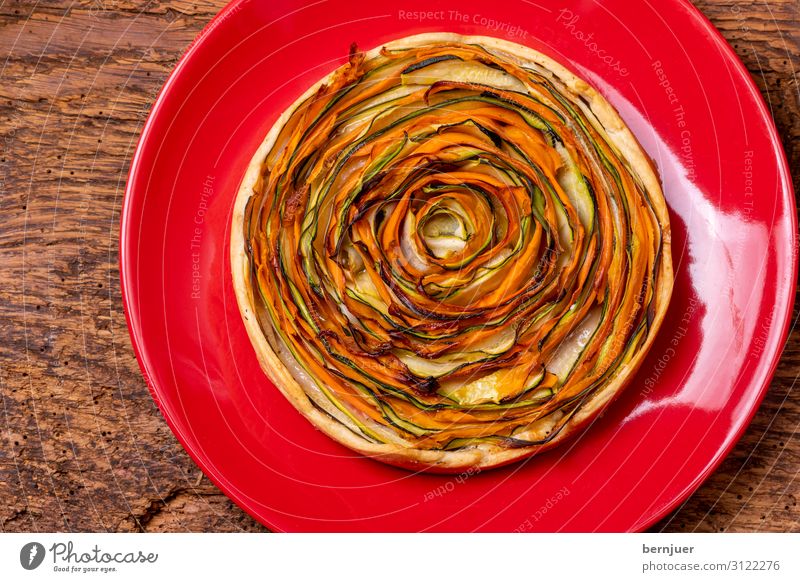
(451, 252)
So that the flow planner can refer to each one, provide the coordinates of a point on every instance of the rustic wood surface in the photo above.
(83, 447)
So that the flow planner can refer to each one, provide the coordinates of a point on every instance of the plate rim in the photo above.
(779, 340)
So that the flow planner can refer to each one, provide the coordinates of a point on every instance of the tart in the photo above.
(451, 253)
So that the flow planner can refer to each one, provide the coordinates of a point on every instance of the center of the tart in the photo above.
(444, 233)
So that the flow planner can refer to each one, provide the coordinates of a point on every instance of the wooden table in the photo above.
(83, 446)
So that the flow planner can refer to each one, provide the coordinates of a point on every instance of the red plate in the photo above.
(695, 110)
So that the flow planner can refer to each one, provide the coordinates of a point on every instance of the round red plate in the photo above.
(696, 112)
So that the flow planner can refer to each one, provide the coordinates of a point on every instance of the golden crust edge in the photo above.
(481, 456)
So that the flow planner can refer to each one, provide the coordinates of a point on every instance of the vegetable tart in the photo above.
(451, 253)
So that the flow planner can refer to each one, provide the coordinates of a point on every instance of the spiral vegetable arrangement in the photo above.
(455, 252)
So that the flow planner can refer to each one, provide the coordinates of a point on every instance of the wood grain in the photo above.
(83, 446)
